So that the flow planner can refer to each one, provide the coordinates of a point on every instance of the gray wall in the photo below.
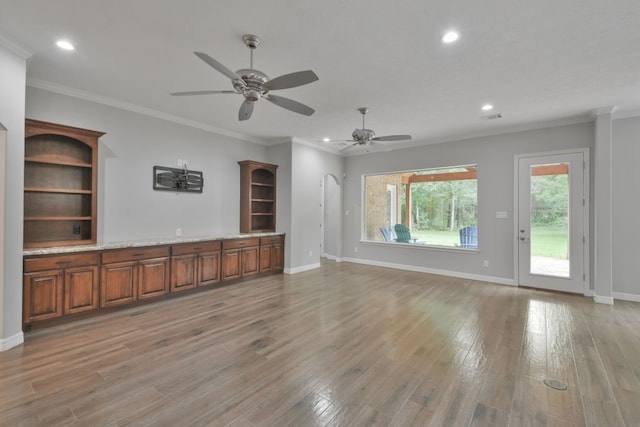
(281, 155)
(309, 166)
(495, 159)
(626, 207)
(12, 104)
(128, 207)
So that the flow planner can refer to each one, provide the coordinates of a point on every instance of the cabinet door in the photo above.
(277, 256)
(153, 277)
(231, 264)
(42, 295)
(117, 283)
(183, 272)
(249, 261)
(208, 268)
(266, 262)
(80, 289)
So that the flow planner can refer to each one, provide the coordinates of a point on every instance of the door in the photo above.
(153, 277)
(183, 272)
(208, 268)
(80, 289)
(552, 222)
(117, 283)
(42, 295)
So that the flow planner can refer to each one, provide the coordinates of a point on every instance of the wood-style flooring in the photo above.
(343, 345)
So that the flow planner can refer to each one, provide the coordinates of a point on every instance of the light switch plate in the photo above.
(502, 214)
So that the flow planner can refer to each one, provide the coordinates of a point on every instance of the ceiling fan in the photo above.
(254, 84)
(367, 137)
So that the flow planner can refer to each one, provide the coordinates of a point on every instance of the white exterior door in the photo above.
(552, 222)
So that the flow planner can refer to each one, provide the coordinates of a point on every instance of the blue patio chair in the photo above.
(469, 237)
(386, 234)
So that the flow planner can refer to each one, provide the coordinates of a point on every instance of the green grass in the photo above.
(549, 241)
(546, 241)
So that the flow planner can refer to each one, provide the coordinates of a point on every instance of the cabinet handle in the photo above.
(63, 262)
(197, 249)
(139, 254)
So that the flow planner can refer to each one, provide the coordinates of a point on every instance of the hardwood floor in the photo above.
(344, 345)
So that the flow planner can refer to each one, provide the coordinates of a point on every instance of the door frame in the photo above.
(588, 289)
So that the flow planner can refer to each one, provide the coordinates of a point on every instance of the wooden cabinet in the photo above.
(194, 264)
(64, 284)
(59, 285)
(257, 196)
(60, 185)
(239, 258)
(131, 274)
(271, 254)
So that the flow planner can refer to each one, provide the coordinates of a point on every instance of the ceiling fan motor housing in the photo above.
(253, 87)
(363, 136)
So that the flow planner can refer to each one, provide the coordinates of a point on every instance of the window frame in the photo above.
(411, 245)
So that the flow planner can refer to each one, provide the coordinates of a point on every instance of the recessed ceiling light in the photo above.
(450, 37)
(64, 44)
(487, 107)
(326, 139)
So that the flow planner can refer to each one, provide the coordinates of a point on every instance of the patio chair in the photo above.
(469, 237)
(403, 234)
(386, 234)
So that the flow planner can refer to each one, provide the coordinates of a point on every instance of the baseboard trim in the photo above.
(478, 277)
(13, 341)
(626, 297)
(301, 269)
(332, 258)
(603, 300)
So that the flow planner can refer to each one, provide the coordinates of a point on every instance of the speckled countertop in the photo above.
(138, 243)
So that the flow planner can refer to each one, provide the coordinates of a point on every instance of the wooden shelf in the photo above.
(55, 190)
(57, 218)
(58, 162)
(257, 196)
(60, 185)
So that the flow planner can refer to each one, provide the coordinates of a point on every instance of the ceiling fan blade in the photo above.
(218, 66)
(349, 146)
(392, 138)
(287, 81)
(290, 104)
(202, 92)
(245, 110)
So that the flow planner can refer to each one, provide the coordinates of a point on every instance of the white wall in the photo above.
(308, 166)
(128, 207)
(332, 204)
(494, 156)
(626, 208)
(12, 103)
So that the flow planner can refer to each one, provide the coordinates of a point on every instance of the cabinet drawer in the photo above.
(59, 261)
(197, 247)
(271, 240)
(239, 243)
(119, 255)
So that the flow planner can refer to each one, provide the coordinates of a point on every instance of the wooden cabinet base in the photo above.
(67, 286)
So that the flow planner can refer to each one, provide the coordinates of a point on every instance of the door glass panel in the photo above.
(549, 219)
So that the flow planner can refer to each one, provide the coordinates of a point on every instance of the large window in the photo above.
(425, 207)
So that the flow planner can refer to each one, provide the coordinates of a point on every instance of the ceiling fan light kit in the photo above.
(254, 84)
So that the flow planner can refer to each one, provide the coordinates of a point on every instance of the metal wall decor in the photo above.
(174, 179)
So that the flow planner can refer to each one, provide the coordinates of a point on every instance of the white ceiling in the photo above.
(536, 61)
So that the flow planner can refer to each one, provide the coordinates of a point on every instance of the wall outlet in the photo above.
(310, 253)
(178, 232)
(355, 249)
(486, 263)
(76, 229)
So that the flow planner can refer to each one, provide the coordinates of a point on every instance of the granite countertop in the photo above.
(139, 243)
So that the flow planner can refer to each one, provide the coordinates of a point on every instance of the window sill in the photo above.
(422, 246)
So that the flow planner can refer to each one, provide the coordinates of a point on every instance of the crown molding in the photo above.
(87, 96)
(600, 111)
(15, 48)
(628, 113)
